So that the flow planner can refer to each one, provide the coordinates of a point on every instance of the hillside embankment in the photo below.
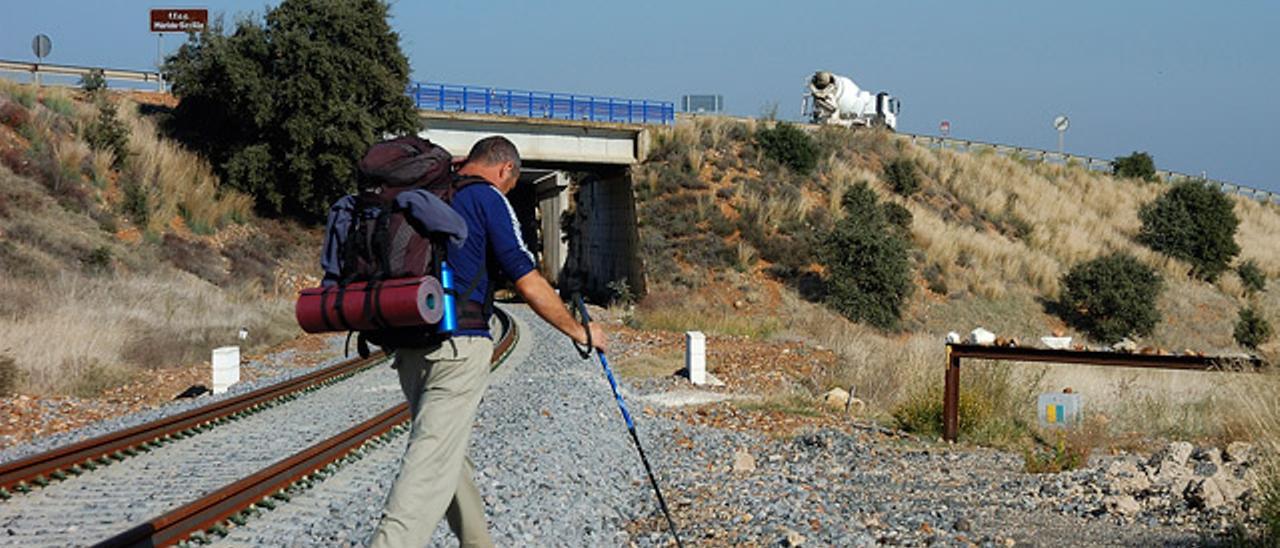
(124, 259)
(733, 242)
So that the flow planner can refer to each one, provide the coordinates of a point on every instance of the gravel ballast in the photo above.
(556, 467)
(106, 501)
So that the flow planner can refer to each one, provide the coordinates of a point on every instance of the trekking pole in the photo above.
(626, 415)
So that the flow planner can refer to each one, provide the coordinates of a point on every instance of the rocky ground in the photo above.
(556, 466)
(738, 472)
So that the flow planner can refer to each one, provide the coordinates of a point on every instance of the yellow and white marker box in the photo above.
(1059, 409)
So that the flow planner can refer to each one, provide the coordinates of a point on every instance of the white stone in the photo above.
(226, 368)
(743, 462)
(1122, 505)
(795, 538)
(1124, 478)
(1125, 345)
(1176, 452)
(695, 356)
(1056, 343)
(1204, 494)
(981, 336)
(836, 398)
(1239, 451)
(953, 338)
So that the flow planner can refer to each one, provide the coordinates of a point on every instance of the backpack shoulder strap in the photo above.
(460, 182)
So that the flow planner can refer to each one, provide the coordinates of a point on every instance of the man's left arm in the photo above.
(516, 262)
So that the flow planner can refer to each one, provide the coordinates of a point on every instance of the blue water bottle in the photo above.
(450, 321)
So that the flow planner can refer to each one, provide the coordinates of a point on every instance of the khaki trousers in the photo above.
(443, 386)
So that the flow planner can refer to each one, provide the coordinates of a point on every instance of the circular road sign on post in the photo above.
(1061, 123)
(945, 128)
(41, 45)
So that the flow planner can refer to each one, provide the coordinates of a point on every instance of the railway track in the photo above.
(217, 508)
(26, 474)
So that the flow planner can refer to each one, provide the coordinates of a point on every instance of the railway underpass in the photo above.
(574, 200)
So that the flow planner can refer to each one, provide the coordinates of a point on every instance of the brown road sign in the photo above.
(179, 20)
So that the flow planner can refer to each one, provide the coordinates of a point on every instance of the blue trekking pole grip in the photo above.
(585, 351)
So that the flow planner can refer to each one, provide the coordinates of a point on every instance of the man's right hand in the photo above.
(546, 303)
(598, 338)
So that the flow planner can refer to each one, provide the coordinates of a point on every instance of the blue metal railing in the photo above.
(539, 104)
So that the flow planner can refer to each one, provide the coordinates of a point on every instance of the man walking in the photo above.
(444, 384)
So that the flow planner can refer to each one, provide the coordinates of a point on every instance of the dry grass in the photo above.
(84, 328)
(691, 314)
(178, 183)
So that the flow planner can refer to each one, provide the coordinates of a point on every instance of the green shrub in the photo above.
(93, 81)
(1138, 165)
(1065, 452)
(59, 104)
(1252, 330)
(992, 406)
(98, 261)
(1252, 276)
(25, 96)
(789, 146)
(10, 375)
(1193, 223)
(901, 175)
(285, 106)
(1269, 507)
(921, 413)
(868, 270)
(1111, 297)
(107, 133)
(136, 204)
(898, 217)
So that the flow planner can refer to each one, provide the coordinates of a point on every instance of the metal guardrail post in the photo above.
(951, 398)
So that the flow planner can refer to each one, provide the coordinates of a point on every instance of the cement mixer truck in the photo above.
(835, 99)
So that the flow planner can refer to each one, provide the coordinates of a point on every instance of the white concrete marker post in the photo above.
(695, 357)
(226, 368)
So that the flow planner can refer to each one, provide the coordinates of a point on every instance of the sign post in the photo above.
(945, 128)
(41, 45)
(1060, 123)
(175, 20)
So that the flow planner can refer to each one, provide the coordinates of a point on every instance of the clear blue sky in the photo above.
(1196, 84)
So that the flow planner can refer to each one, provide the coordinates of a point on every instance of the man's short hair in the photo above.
(494, 150)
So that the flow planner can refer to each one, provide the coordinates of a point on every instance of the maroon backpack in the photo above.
(381, 243)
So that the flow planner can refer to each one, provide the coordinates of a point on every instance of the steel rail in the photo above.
(20, 475)
(956, 352)
(211, 511)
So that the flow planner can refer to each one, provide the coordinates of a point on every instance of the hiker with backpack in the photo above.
(474, 239)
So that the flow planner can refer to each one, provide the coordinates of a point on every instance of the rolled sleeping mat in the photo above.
(363, 306)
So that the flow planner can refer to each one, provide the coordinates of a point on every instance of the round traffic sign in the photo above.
(41, 45)
(1061, 122)
(945, 126)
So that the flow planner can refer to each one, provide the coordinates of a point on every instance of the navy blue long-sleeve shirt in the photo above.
(493, 246)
